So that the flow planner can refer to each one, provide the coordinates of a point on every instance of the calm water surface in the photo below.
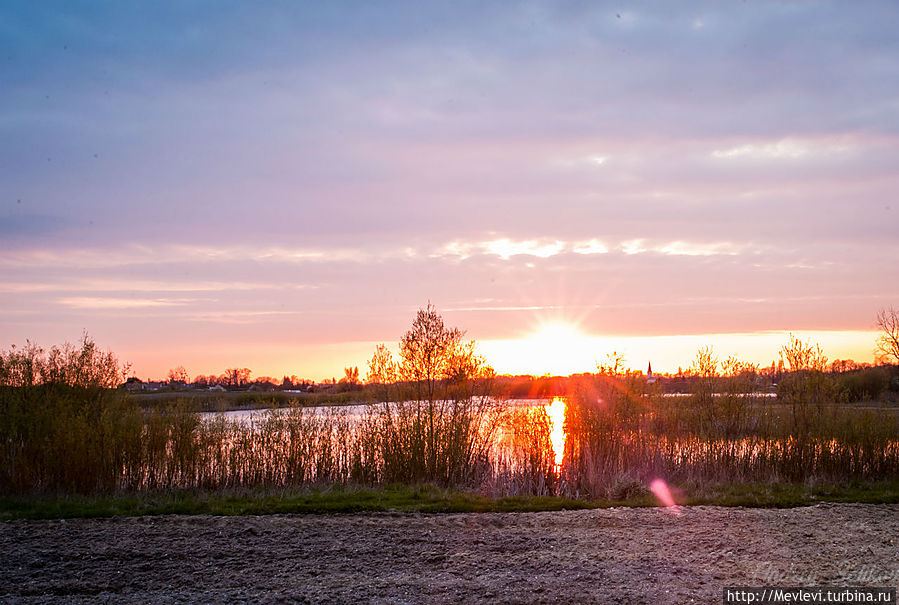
(554, 407)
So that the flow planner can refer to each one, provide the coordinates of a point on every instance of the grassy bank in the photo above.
(331, 500)
(419, 499)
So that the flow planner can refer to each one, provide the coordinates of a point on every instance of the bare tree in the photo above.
(807, 389)
(83, 365)
(382, 371)
(427, 352)
(888, 341)
(613, 365)
(381, 367)
(800, 355)
(21, 367)
(236, 377)
(351, 376)
(706, 363)
(705, 369)
(178, 374)
(443, 433)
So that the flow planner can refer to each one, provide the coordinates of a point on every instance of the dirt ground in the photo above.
(595, 556)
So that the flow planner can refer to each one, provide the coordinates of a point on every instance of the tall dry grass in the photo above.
(66, 439)
(622, 434)
(60, 439)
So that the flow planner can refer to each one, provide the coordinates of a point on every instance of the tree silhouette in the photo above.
(178, 374)
(427, 352)
(888, 341)
(237, 377)
(351, 376)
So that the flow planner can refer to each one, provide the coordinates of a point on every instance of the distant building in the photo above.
(650, 379)
(133, 384)
(265, 387)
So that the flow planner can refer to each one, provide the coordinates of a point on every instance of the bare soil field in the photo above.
(593, 556)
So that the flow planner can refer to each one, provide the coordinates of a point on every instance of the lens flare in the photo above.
(661, 491)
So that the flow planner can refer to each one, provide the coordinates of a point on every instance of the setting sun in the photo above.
(554, 347)
(558, 334)
(562, 347)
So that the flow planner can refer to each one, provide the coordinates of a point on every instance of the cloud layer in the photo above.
(208, 172)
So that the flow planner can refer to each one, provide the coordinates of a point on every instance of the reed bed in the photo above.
(620, 437)
(523, 456)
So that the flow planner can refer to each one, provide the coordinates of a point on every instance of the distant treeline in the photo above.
(85, 365)
(860, 384)
(861, 381)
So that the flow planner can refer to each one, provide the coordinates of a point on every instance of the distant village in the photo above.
(239, 379)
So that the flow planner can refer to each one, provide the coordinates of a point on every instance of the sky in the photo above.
(281, 185)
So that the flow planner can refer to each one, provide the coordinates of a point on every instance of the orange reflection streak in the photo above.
(556, 413)
(663, 493)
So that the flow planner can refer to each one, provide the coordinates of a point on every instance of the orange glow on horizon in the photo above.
(561, 348)
(556, 347)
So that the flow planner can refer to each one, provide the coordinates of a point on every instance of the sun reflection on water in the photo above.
(556, 413)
